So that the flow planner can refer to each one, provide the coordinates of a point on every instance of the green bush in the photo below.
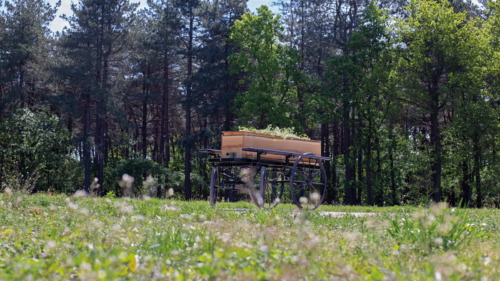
(36, 151)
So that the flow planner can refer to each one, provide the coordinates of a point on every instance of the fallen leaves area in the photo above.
(44, 237)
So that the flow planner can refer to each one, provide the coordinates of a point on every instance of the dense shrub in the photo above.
(36, 153)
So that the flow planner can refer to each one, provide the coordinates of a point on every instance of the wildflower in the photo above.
(303, 200)
(72, 207)
(85, 266)
(260, 200)
(126, 183)
(277, 201)
(315, 197)
(84, 212)
(101, 274)
(429, 220)
(438, 241)
(170, 192)
(80, 194)
(50, 244)
(418, 215)
(444, 228)
(264, 248)
(487, 261)
(7, 191)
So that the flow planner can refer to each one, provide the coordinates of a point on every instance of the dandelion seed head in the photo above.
(50, 244)
(7, 191)
(429, 220)
(418, 215)
(84, 212)
(85, 266)
(72, 206)
(101, 274)
(315, 197)
(170, 192)
(150, 180)
(444, 228)
(438, 241)
(264, 249)
(80, 194)
(303, 200)
(260, 200)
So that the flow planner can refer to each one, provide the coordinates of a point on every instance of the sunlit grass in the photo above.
(46, 237)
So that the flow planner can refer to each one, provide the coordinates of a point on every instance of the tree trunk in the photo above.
(325, 151)
(436, 146)
(86, 141)
(164, 139)
(476, 171)
(360, 177)
(465, 185)
(349, 169)
(379, 194)
(187, 171)
(368, 165)
(391, 163)
(144, 116)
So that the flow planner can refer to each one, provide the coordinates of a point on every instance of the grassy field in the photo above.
(46, 237)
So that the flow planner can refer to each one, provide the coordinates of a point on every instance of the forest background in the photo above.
(404, 95)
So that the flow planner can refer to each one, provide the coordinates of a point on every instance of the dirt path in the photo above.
(342, 214)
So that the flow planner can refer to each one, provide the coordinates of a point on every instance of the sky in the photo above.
(58, 23)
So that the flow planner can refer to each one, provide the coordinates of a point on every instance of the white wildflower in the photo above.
(72, 207)
(303, 200)
(101, 274)
(438, 241)
(264, 248)
(84, 212)
(170, 192)
(7, 191)
(315, 197)
(80, 194)
(50, 244)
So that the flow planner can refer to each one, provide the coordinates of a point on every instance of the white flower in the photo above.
(50, 244)
(80, 194)
(170, 192)
(303, 200)
(438, 241)
(315, 197)
(7, 191)
(264, 248)
(72, 206)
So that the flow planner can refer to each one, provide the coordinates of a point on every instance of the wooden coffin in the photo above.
(233, 142)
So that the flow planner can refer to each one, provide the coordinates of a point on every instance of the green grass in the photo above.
(46, 237)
